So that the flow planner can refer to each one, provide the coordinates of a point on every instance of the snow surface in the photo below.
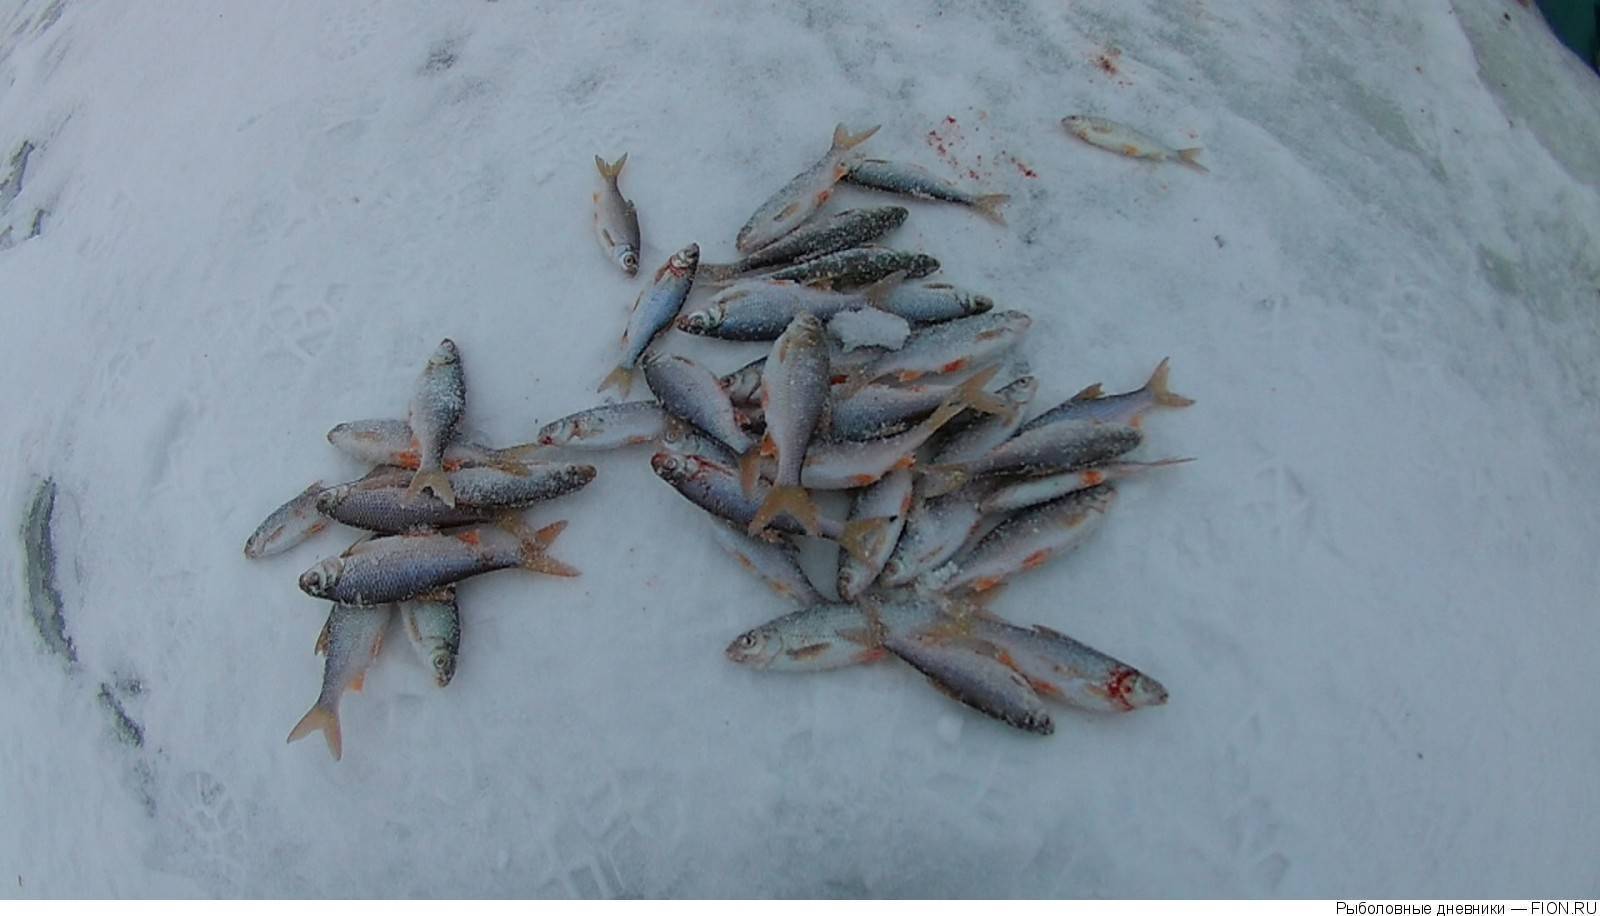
(1373, 597)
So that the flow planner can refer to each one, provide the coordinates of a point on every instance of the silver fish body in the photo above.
(688, 439)
(1025, 541)
(773, 562)
(1122, 139)
(606, 427)
(935, 530)
(760, 309)
(1049, 449)
(819, 637)
(973, 435)
(350, 641)
(889, 498)
(653, 312)
(844, 465)
(877, 411)
(390, 442)
(1060, 668)
(857, 267)
(693, 394)
(433, 623)
(825, 235)
(439, 399)
(929, 303)
(290, 524)
(794, 394)
(1031, 491)
(794, 203)
(1126, 409)
(975, 674)
(383, 504)
(916, 181)
(952, 346)
(616, 222)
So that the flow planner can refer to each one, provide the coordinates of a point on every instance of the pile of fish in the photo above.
(438, 509)
(878, 384)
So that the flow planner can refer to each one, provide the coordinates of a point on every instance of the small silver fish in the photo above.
(952, 346)
(653, 312)
(605, 427)
(935, 530)
(1031, 491)
(975, 434)
(383, 503)
(761, 309)
(350, 641)
(916, 181)
(928, 303)
(974, 673)
(616, 222)
(692, 393)
(395, 568)
(687, 439)
(1049, 449)
(819, 637)
(288, 525)
(1026, 541)
(857, 267)
(889, 498)
(773, 562)
(1119, 138)
(825, 235)
(794, 394)
(436, 407)
(804, 195)
(433, 622)
(390, 442)
(1127, 408)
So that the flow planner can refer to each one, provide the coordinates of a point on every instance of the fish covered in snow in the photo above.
(824, 235)
(653, 312)
(433, 623)
(382, 503)
(1026, 541)
(818, 637)
(605, 427)
(931, 302)
(916, 181)
(290, 524)
(390, 442)
(935, 530)
(804, 195)
(616, 222)
(857, 267)
(439, 399)
(974, 434)
(760, 309)
(349, 642)
(794, 393)
(693, 394)
(1120, 138)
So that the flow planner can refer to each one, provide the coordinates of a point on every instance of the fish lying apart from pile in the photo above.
(879, 384)
(439, 509)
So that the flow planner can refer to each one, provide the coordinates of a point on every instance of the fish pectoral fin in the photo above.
(787, 212)
(359, 684)
(606, 235)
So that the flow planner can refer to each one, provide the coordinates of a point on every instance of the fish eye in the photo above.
(441, 662)
(630, 260)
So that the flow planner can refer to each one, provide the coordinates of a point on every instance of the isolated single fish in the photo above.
(350, 641)
(973, 672)
(794, 394)
(289, 524)
(819, 637)
(616, 222)
(952, 346)
(690, 392)
(605, 427)
(382, 503)
(1025, 541)
(433, 623)
(916, 181)
(1127, 408)
(973, 434)
(1050, 449)
(869, 327)
(935, 530)
(653, 312)
(928, 303)
(1031, 491)
(889, 498)
(773, 562)
(437, 403)
(857, 267)
(824, 235)
(395, 568)
(1060, 668)
(716, 488)
(802, 196)
(390, 442)
(1119, 138)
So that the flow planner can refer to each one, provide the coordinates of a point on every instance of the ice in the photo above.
(1372, 595)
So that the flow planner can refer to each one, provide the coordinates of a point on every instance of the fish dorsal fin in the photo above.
(1091, 393)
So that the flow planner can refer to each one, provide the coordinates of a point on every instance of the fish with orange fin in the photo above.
(390, 442)
(1127, 408)
(437, 403)
(804, 195)
(616, 222)
(350, 640)
(794, 395)
(1025, 541)
(1124, 140)
(653, 312)
(288, 525)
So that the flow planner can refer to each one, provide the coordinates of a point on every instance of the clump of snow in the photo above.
(855, 328)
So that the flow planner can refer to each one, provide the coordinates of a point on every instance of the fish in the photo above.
(1025, 541)
(290, 524)
(383, 504)
(717, 489)
(1127, 408)
(974, 673)
(606, 427)
(773, 562)
(889, 498)
(857, 267)
(877, 411)
(824, 235)
(653, 312)
(794, 394)
(936, 528)
(439, 399)
(433, 623)
(932, 302)
(388, 569)
(761, 309)
(1031, 491)
(973, 435)
(804, 195)
(350, 640)
(916, 181)
(1119, 138)
(616, 222)
(692, 393)
(1049, 449)
(868, 327)
(844, 465)
(744, 384)
(390, 442)
(687, 439)
(819, 637)
(952, 346)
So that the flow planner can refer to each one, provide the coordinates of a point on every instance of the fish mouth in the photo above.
(311, 583)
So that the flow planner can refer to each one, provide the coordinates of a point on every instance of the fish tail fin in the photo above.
(620, 378)
(1186, 156)
(515, 453)
(612, 170)
(972, 395)
(750, 469)
(854, 380)
(844, 139)
(877, 295)
(433, 479)
(536, 548)
(989, 205)
(325, 720)
(939, 479)
(793, 501)
(862, 537)
(1160, 393)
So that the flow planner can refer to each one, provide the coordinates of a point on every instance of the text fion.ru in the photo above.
(1534, 908)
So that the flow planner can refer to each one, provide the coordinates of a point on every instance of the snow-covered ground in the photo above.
(1373, 597)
